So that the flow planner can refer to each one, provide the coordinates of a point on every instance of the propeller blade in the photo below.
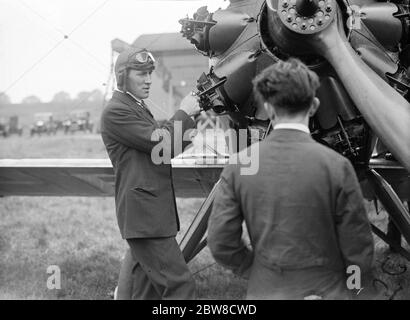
(384, 109)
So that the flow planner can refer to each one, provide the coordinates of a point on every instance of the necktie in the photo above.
(144, 106)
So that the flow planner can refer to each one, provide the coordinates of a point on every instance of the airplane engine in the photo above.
(359, 48)
(248, 36)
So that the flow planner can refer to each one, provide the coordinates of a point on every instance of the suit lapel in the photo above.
(129, 101)
(144, 105)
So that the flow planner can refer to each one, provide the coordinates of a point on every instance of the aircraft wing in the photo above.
(193, 177)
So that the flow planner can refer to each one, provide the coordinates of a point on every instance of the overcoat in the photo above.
(305, 216)
(144, 192)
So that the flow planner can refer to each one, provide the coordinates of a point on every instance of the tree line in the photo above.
(60, 97)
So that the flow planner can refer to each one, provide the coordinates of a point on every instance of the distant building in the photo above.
(179, 66)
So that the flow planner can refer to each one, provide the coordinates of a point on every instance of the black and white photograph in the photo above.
(215, 153)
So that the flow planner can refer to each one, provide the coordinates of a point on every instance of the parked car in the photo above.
(4, 127)
(14, 127)
(78, 120)
(43, 123)
(10, 127)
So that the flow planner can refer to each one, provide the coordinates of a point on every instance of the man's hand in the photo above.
(190, 105)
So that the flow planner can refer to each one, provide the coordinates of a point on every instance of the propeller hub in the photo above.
(307, 8)
(293, 24)
(304, 16)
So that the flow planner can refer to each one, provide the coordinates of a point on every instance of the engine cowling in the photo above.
(360, 52)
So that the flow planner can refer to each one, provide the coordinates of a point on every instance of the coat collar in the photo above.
(124, 98)
(129, 101)
(288, 135)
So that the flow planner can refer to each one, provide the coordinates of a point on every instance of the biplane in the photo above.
(359, 48)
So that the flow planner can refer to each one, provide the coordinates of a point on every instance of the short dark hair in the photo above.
(289, 86)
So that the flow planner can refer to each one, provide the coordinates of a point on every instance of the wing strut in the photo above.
(391, 242)
(398, 213)
(193, 241)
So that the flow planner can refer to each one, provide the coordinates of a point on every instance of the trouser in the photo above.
(159, 270)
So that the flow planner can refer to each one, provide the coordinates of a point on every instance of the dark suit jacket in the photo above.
(305, 216)
(144, 193)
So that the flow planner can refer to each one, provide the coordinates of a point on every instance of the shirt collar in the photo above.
(294, 126)
(139, 101)
(134, 97)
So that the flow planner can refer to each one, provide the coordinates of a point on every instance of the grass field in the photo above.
(80, 235)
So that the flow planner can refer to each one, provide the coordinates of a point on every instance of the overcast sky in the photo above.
(36, 59)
